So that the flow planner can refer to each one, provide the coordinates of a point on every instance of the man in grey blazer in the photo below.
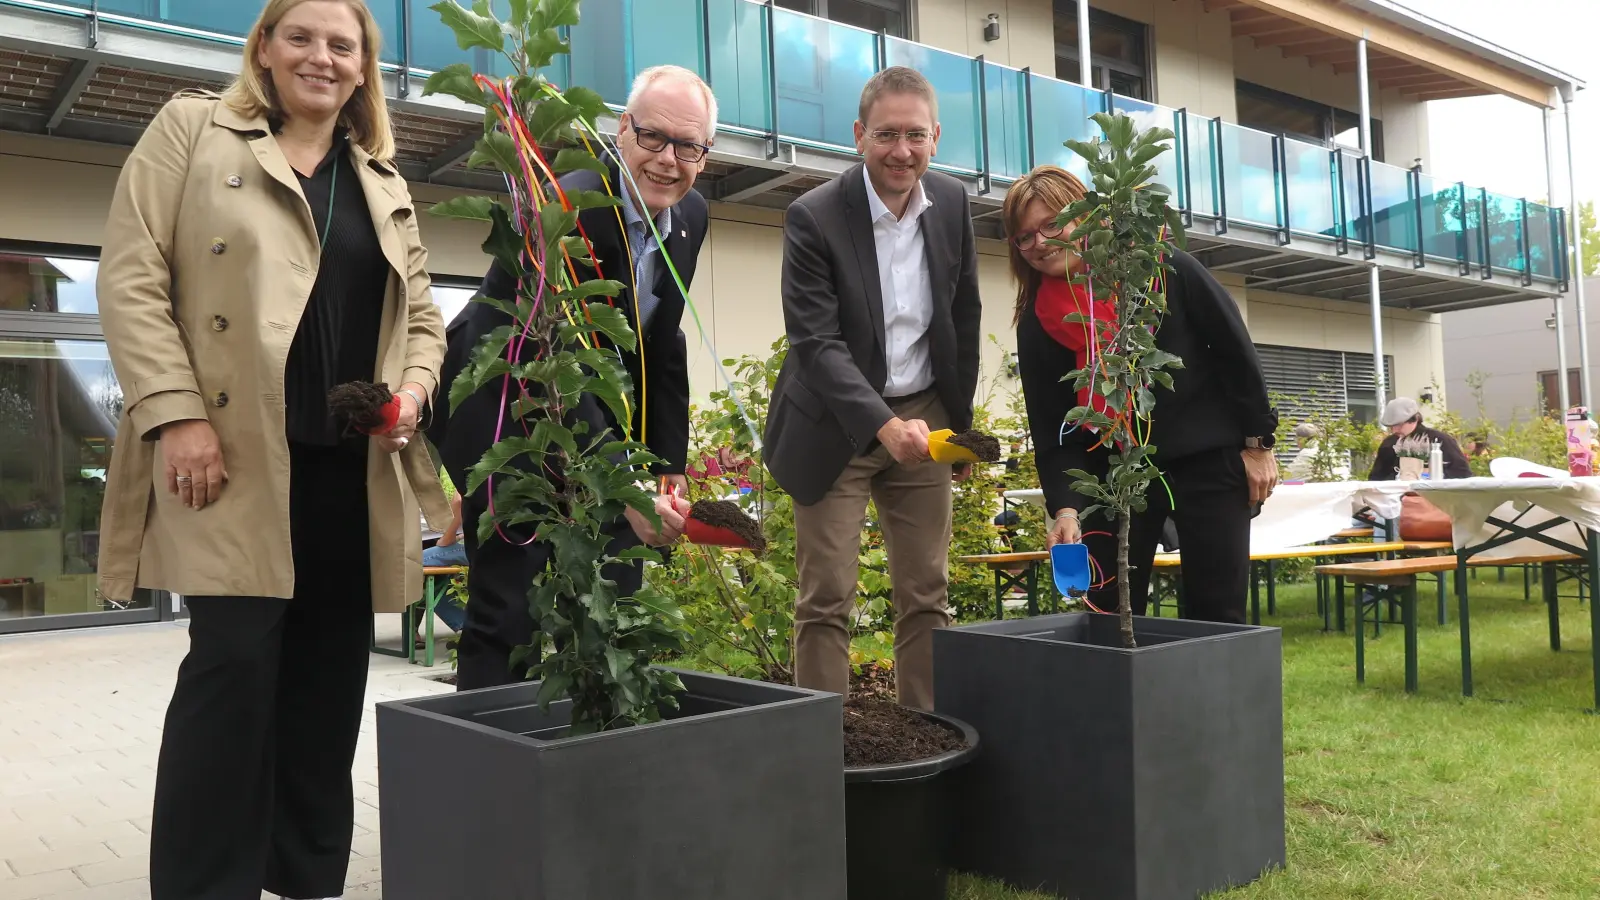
(880, 302)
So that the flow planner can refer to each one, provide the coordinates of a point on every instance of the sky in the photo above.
(1497, 142)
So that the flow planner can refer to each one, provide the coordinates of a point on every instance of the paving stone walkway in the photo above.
(80, 726)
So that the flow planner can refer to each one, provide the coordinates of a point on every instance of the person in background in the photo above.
(1303, 467)
(449, 550)
(1403, 418)
(1213, 431)
(262, 248)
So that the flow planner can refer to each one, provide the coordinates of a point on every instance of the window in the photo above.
(874, 15)
(1276, 112)
(1118, 48)
(1306, 383)
(1550, 392)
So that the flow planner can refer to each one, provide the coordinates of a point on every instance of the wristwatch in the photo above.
(1260, 443)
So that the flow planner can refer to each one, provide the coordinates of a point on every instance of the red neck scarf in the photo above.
(1058, 298)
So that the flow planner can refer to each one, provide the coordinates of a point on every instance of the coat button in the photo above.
(219, 323)
(220, 400)
(234, 181)
(218, 245)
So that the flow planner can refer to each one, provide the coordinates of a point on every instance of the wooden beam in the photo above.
(1243, 13)
(1266, 26)
(1333, 57)
(1423, 80)
(1279, 38)
(1394, 39)
(1322, 44)
(1424, 97)
(1384, 64)
(1214, 5)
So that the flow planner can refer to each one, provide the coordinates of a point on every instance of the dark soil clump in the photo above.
(984, 446)
(359, 403)
(727, 514)
(878, 731)
(882, 732)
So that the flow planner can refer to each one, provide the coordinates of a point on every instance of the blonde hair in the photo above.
(365, 114)
(1059, 189)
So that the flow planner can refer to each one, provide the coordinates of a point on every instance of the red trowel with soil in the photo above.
(369, 408)
(721, 523)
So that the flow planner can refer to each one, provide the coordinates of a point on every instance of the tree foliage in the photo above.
(1121, 232)
(552, 473)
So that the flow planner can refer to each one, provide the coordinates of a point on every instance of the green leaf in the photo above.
(618, 662)
(594, 287)
(504, 243)
(522, 13)
(552, 115)
(498, 150)
(547, 432)
(475, 209)
(554, 685)
(645, 553)
(571, 159)
(544, 46)
(591, 199)
(610, 321)
(589, 104)
(471, 29)
(455, 80)
(559, 12)
(1158, 359)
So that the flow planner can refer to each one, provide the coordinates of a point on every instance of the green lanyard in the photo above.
(333, 191)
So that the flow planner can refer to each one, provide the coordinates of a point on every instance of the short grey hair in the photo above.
(1306, 431)
(650, 76)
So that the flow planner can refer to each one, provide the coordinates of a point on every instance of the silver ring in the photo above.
(185, 479)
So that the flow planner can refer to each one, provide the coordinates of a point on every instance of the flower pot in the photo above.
(1109, 774)
(737, 795)
(900, 822)
(1410, 468)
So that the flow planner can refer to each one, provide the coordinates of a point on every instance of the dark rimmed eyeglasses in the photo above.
(1028, 239)
(655, 142)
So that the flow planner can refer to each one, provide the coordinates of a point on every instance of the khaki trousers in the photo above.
(913, 505)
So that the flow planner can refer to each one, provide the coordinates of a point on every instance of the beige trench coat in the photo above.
(210, 254)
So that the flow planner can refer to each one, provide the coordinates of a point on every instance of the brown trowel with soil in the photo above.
(722, 523)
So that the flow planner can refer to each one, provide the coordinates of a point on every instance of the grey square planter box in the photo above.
(740, 795)
(1111, 774)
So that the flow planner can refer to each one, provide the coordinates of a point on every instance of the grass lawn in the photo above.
(1431, 795)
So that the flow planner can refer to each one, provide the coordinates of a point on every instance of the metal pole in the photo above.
(1558, 300)
(1374, 286)
(1085, 67)
(1577, 256)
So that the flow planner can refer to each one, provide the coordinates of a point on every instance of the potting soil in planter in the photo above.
(727, 514)
(363, 406)
(984, 446)
(898, 818)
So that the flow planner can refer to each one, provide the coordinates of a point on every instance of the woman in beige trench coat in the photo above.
(262, 248)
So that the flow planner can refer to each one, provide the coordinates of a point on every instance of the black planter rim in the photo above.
(920, 769)
(422, 706)
(1031, 628)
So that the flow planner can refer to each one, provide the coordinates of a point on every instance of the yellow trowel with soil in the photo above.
(945, 446)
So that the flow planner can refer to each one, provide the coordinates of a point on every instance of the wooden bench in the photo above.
(1027, 580)
(1265, 563)
(435, 582)
(1395, 581)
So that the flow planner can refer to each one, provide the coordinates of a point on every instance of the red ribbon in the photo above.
(1058, 298)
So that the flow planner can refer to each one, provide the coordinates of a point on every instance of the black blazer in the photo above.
(464, 434)
(1218, 398)
(828, 404)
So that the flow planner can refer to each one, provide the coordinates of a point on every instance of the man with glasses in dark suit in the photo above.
(880, 302)
(663, 139)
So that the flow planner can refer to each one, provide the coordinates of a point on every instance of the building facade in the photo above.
(1508, 358)
(1300, 159)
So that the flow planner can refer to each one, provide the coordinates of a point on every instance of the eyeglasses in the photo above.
(890, 138)
(655, 142)
(1027, 239)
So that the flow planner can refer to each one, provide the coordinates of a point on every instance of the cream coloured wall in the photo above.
(60, 191)
(1415, 340)
(1027, 36)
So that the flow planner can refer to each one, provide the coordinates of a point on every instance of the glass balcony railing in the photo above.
(797, 78)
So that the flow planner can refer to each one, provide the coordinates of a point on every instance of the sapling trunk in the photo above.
(1124, 593)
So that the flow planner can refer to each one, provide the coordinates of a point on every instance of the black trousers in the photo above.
(499, 574)
(1210, 505)
(253, 788)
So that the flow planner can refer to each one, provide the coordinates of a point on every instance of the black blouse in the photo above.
(337, 340)
(1218, 399)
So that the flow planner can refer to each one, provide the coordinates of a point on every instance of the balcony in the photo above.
(1287, 215)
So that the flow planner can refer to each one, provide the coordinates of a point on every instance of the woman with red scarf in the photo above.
(1212, 431)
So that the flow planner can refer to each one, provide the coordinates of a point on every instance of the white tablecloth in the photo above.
(1300, 514)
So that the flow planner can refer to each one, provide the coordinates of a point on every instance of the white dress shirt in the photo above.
(907, 291)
